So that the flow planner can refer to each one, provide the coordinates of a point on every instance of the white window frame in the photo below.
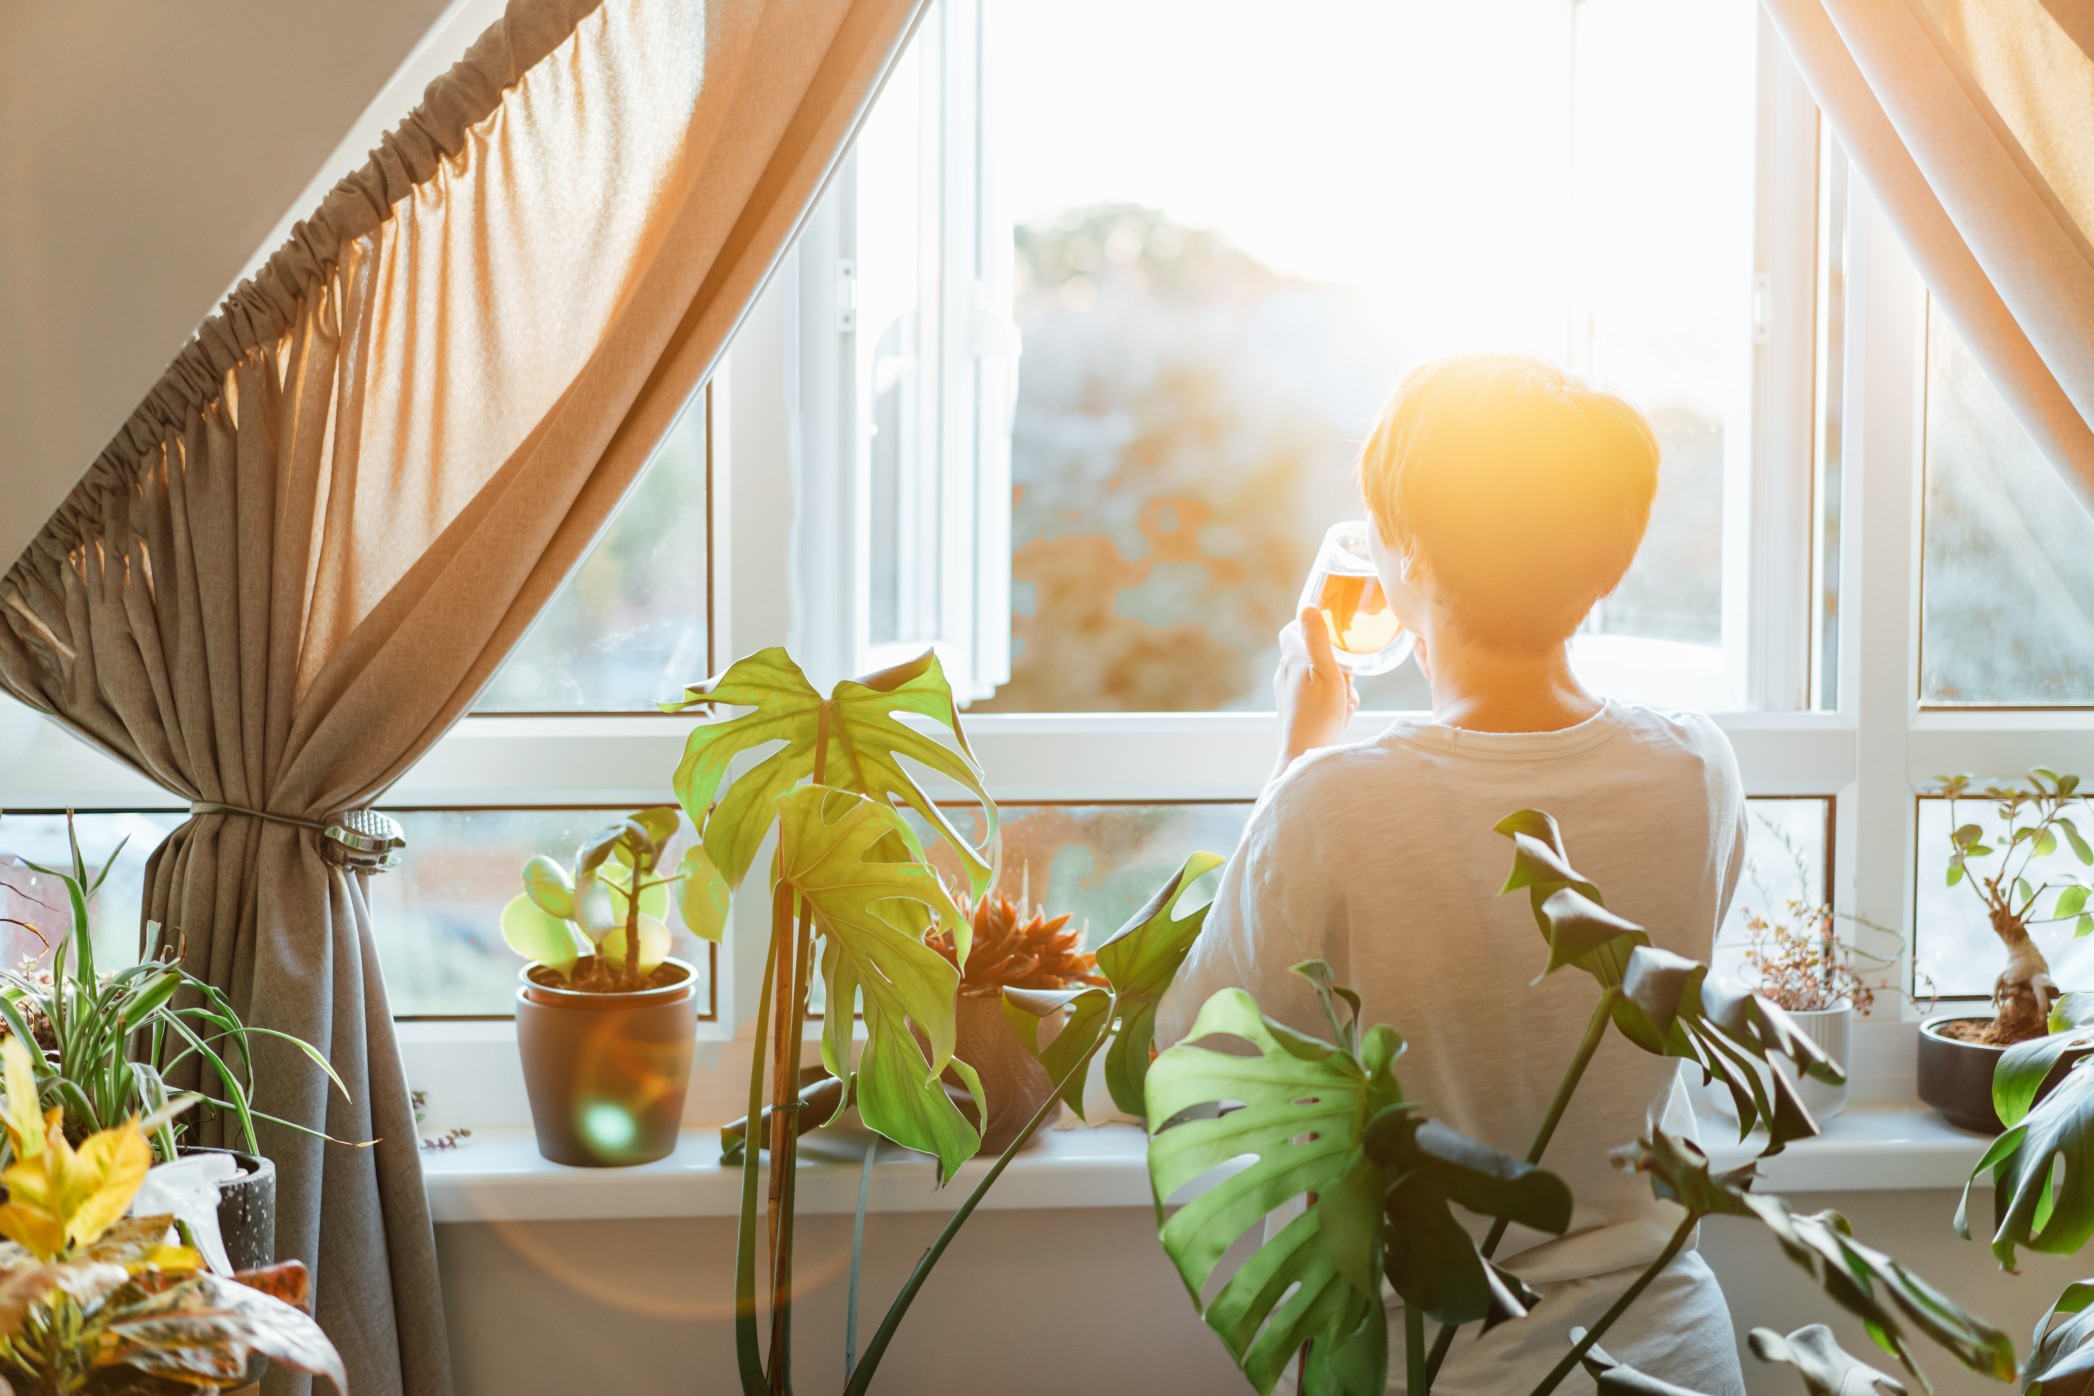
(1870, 755)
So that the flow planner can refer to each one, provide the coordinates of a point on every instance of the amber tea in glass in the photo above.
(1365, 634)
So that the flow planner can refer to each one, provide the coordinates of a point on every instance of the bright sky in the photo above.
(1423, 151)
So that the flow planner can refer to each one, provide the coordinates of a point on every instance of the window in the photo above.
(39, 836)
(2008, 554)
(632, 625)
(1203, 350)
(1065, 375)
(437, 918)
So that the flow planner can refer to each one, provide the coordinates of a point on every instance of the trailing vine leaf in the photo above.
(2042, 1194)
(1329, 1129)
(1827, 1369)
(1139, 961)
(1614, 1379)
(1664, 1003)
(1867, 1283)
(2061, 1354)
(831, 847)
(856, 735)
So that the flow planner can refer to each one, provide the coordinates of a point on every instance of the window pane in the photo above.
(629, 627)
(2008, 595)
(437, 917)
(1224, 265)
(1955, 952)
(1099, 864)
(1787, 853)
(41, 901)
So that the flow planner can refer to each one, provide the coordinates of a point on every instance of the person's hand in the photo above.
(1316, 697)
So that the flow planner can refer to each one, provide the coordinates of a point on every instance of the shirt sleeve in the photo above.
(1258, 929)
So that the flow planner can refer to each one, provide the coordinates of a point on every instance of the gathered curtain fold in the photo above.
(1972, 123)
(311, 545)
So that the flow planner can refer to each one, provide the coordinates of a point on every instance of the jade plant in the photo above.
(603, 928)
(853, 900)
(2032, 822)
(1381, 1187)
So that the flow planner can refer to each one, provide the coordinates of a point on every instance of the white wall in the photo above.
(147, 150)
(1070, 1303)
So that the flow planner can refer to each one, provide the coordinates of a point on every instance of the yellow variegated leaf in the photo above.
(24, 1121)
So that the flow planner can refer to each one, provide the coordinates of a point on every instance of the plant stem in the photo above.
(1417, 1381)
(1595, 1033)
(747, 1346)
(861, 1378)
(784, 1093)
(1628, 1296)
(788, 1027)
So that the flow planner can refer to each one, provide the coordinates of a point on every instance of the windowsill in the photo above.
(498, 1176)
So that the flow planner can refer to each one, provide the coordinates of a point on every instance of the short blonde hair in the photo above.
(1524, 491)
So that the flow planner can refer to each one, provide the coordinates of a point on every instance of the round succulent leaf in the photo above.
(538, 937)
(597, 908)
(654, 944)
(702, 895)
(547, 884)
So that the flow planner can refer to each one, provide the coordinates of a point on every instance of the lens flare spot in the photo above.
(609, 1126)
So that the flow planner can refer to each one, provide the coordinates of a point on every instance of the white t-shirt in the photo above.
(1381, 859)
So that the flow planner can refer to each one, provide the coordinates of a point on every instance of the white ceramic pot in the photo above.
(1831, 1029)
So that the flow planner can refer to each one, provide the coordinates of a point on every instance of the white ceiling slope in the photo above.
(150, 154)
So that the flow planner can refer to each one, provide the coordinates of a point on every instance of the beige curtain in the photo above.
(1972, 122)
(313, 543)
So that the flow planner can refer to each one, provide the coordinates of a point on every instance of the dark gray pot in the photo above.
(247, 1210)
(1956, 1077)
(607, 1073)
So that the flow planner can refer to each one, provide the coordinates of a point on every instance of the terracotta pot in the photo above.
(607, 1073)
(1014, 1084)
(1955, 1077)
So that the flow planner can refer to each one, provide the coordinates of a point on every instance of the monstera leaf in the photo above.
(2042, 1195)
(833, 850)
(856, 737)
(1328, 1127)
(1139, 961)
(1664, 1003)
(1867, 1283)
(1614, 1379)
(2061, 1355)
(1827, 1369)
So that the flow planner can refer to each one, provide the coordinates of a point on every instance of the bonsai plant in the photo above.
(106, 1042)
(854, 897)
(1010, 950)
(1379, 1181)
(94, 1301)
(605, 1019)
(1958, 1053)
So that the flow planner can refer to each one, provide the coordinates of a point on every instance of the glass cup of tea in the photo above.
(1365, 635)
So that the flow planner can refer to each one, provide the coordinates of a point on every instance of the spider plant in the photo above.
(106, 1041)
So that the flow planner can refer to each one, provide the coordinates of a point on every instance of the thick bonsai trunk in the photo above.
(2023, 994)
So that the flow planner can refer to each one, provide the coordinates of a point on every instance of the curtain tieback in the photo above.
(360, 839)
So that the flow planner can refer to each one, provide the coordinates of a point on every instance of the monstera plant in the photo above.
(852, 896)
(1377, 1188)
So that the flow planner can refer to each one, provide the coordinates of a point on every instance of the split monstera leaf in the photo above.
(613, 908)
